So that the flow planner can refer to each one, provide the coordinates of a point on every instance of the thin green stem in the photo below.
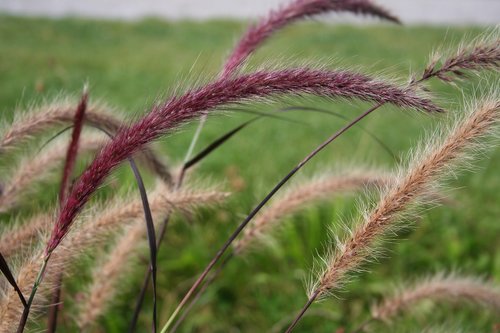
(38, 281)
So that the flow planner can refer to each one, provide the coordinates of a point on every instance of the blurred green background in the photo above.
(130, 65)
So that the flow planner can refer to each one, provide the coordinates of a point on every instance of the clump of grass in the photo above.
(411, 87)
(74, 233)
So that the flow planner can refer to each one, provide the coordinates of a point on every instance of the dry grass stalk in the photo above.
(430, 165)
(87, 235)
(441, 287)
(30, 169)
(46, 117)
(17, 237)
(301, 195)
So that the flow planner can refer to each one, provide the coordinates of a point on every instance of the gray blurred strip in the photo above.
(441, 12)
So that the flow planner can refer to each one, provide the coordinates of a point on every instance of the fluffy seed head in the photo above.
(31, 169)
(443, 288)
(320, 188)
(436, 160)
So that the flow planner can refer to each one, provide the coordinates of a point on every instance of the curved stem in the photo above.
(38, 280)
(245, 222)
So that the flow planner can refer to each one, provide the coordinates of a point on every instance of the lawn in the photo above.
(130, 65)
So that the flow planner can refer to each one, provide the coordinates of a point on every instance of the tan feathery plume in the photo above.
(46, 117)
(14, 239)
(107, 276)
(320, 188)
(11, 307)
(426, 168)
(40, 119)
(440, 287)
(30, 169)
(161, 200)
(434, 162)
(90, 234)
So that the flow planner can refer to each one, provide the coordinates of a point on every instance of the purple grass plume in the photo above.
(294, 11)
(177, 110)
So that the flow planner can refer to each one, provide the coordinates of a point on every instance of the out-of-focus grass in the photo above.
(130, 64)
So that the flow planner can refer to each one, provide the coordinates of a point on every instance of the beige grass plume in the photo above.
(40, 119)
(30, 169)
(437, 159)
(22, 234)
(320, 188)
(86, 235)
(442, 288)
(46, 117)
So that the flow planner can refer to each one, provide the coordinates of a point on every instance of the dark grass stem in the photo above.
(301, 313)
(55, 303)
(4, 267)
(69, 165)
(247, 220)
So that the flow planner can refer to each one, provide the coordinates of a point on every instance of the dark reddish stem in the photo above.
(72, 151)
(69, 165)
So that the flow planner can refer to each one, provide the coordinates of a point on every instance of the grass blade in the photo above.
(4, 267)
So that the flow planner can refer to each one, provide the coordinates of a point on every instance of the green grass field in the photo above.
(129, 65)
